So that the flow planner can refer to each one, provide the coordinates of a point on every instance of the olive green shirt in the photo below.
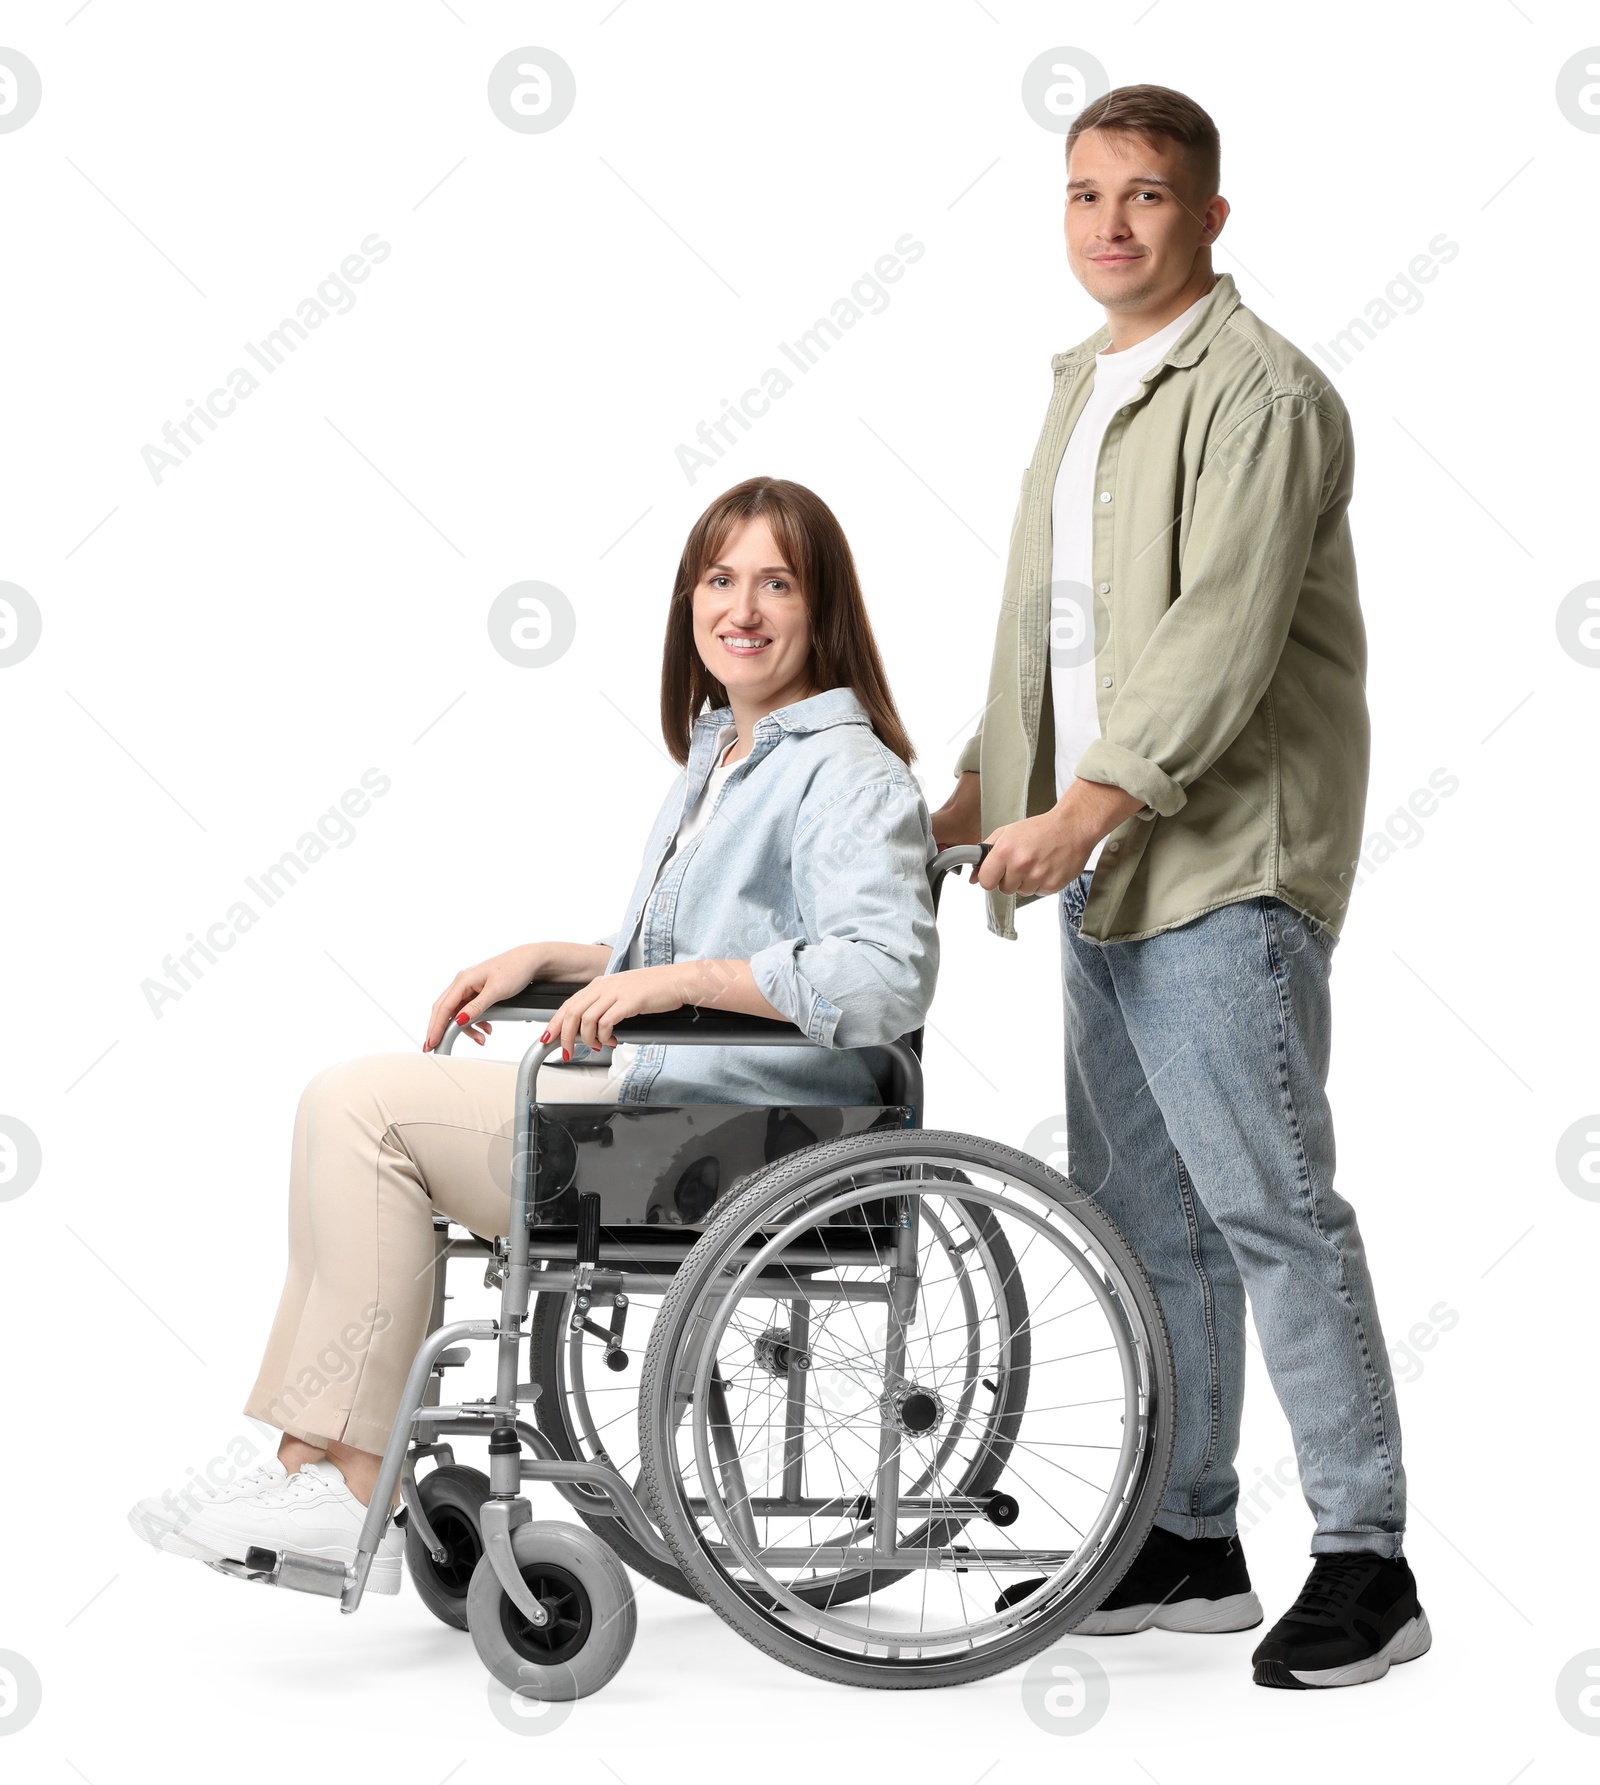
(1230, 654)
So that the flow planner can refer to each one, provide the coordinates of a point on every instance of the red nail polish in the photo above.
(462, 1018)
(565, 1055)
(545, 1036)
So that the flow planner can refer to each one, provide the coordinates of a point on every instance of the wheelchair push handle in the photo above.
(947, 861)
(958, 855)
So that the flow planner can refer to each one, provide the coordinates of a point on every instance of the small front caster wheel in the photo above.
(592, 1616)
(451, 1497)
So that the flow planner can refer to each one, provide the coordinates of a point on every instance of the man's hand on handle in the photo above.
(1042, 855)
(1036, 855)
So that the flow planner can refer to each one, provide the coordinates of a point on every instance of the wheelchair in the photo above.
(896, 1403)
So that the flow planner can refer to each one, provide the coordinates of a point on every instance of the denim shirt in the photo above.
(813, 867)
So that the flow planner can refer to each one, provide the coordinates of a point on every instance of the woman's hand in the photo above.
(591, 1015)
(471, 992)
(474, 989)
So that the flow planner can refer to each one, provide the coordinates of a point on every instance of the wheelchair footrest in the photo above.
(288, 1568)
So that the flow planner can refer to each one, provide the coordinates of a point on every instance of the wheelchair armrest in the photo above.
(692, 1025)
(541, 998)
(685, 1027)
(681, 1027)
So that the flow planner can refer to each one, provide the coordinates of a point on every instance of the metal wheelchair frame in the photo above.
(591, 1487)
(772, 1237)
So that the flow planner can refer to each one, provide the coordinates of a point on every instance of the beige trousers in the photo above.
(382, 1145)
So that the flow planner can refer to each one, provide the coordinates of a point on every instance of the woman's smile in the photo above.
(744, 644)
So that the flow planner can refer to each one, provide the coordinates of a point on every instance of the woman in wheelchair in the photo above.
(895, 1402)
(785, 877)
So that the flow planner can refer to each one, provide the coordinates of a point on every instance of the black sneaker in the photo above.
(1195, 1584)
(1356, 1616)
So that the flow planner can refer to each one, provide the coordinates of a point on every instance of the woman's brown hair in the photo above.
(844, 653)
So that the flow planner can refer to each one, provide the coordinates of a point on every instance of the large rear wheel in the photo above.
(976, 1392)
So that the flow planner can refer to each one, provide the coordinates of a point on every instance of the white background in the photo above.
(225, 652)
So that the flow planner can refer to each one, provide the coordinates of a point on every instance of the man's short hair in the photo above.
(1151, 112)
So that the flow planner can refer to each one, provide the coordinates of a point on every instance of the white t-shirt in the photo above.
(1072, 628)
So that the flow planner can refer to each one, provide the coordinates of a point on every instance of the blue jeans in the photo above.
(1197, 1116)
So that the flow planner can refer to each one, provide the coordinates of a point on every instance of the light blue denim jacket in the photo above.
(812, 867)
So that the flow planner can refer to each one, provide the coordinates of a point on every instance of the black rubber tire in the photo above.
(775, 1189)
(595, 1591)
(451, 1497)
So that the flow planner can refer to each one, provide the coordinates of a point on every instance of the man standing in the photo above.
(1176, 740)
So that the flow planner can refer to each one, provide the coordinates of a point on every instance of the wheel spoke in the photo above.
(991, 1392)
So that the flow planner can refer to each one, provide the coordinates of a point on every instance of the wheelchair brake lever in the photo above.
(587, 1257)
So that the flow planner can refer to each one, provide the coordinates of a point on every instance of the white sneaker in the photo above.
(312, 1512)
(163, 1520)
